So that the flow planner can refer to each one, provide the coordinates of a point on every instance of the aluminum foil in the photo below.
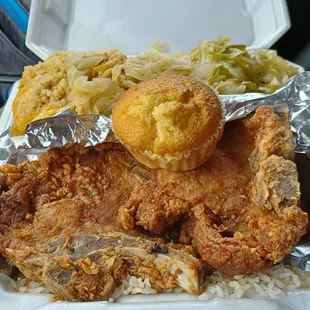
(295, 93)
(300, 256)
(63, 129)
(90, 130)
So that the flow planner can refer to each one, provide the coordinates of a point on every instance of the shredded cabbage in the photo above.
(238, 70)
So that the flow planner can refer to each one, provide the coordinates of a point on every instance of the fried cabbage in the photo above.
(237, 70)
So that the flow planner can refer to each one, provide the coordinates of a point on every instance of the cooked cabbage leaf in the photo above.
(238, 70)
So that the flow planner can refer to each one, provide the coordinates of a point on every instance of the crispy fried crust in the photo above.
(58, 225)
(241, 208)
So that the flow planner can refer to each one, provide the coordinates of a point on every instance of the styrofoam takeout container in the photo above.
(131, 26)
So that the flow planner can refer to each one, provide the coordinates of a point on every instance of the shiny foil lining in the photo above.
(295, 93)
(90, 130)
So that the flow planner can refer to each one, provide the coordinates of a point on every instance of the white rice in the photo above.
(23, 285)
(133, 286)
(276, 280)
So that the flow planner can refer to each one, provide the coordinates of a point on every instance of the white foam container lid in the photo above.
(132, 25)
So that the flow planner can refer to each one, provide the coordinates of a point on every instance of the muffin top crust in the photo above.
(167, 115)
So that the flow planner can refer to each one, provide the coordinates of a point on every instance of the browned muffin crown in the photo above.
(167, 115)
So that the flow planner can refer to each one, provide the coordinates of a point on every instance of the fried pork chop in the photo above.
(58, 215)
(240, 209)
(58, 225)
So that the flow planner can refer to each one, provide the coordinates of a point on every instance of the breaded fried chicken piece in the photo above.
(58, 226)
(241, 208)
(240, 211)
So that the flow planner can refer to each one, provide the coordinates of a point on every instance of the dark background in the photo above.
(295, 44)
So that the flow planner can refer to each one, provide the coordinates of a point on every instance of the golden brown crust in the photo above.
(167, 115)
(240, 209)
(61, 210)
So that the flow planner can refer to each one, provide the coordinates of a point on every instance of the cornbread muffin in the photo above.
(170, 122)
